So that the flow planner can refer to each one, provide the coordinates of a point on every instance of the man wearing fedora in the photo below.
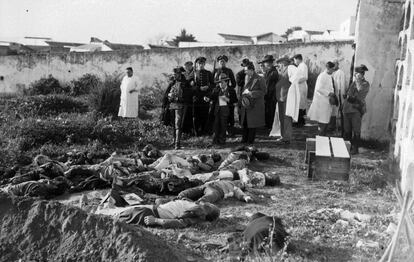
(223, 97)
(204, 84)
(222, 61)
(241, 80)
(252, 106)
(271, 77)
(179, 95)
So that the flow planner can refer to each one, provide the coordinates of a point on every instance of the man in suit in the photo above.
(252, 106)
(282, 88)
(271, 77)
(241, 80)
(222, 60)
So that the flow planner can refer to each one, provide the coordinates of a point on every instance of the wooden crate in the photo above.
(332, 159)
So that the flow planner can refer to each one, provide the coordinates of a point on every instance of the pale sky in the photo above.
(138, 21)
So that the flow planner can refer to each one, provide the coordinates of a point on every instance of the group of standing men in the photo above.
(203, 103)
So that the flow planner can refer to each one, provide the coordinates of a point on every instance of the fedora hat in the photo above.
(267, 58)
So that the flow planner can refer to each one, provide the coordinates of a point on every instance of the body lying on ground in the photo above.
(214, 191)
(173, 214)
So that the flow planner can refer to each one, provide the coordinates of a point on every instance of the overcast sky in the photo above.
(138, 21)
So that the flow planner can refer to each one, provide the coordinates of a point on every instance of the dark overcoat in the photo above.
(256, 111)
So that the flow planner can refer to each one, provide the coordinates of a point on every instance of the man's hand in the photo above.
(206, 99)
(203, 88)
(150, 220)
(248, 199)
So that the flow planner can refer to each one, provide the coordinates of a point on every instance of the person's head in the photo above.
(267, 62)
(360, 72)
(223, 80)
(210, 211)
(245, 62)
(201, 62)
(188, 66)
(129, 71)
(330, 68)
(41, 160)
(178, 72)
(216, 157)
(283, 63)
(262, 67)
(297, 59)
(249, 69)
(222, 60)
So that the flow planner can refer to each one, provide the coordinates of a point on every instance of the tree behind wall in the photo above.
(184, 37)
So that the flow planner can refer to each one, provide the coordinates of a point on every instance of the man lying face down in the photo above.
(173, 214)
(214, 191)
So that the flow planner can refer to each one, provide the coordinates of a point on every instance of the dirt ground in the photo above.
(314, 212)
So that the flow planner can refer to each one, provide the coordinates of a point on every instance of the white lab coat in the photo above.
(129, 105)
(293, 96)
(340, 86)
(302, 74)
(320, 109)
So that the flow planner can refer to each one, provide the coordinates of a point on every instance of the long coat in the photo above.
(256, 112)
(320, 109)
(128, 106)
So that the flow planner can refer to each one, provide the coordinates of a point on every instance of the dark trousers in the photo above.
(220, 124)
(322, 129)
(249, 134)
(285, 121)
(201, 118)
(204, 193)
(270, 107)
(301, 118)
(230, 124)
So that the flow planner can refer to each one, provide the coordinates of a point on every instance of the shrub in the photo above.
(106, 96)
(151, 96)
(45, 105)
(44, 86)
(84, 85)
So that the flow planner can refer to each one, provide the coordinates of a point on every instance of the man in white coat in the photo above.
(302, 77)
(129, 105)
(340, 87)
(321, 109)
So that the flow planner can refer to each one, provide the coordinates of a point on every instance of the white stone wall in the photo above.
(403, 117)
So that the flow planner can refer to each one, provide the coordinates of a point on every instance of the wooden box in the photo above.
(331, 160)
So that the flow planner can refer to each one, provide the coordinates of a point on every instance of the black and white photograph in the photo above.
(207, 130)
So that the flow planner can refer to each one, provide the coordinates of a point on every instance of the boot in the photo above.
(177, 139)
(355, 144)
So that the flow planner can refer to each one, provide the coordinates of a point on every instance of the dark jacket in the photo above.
(230, 93)
(256, 112)
(178, 93)
(354, 99)
(282, 86)
(271, 77)
(203, 78)
(228, 72)
(240, 79)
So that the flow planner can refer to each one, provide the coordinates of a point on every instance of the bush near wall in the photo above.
(45, 86)
(84, 128)
(84, 84)
(43, 105)
(106, 96)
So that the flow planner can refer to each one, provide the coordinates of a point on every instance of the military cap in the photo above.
(361, 69)
(223, 57)
(178, 69)
(245, 62)
(188, 63)
(267, 58)
(200, 59)
(222, 77)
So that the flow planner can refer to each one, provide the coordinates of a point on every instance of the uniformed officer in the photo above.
(189, 76)
(354, 107)
(204, 84)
